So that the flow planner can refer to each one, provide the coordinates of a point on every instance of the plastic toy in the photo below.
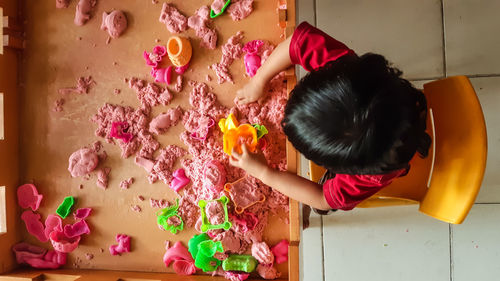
(245, 263)
(179, 255)
(251, 59)
(82, 213)
(228, 123)
(229, 275)
(62, 243)
(181, 69)
(76, 229)
(118, 130)
(52, 222)
(162, 75)
(179, 181)
(34, 225)
(244, 222)
(203, 136)
(27, 196)
(203, 249)
(179, 50)
(153, 58)
(239, 195)
(205, 224)
(122, 247)
(214, 15)
(164, 218)
(214, 176)
(244, 134)
(65, 208)
(261, 130)
(38, 257)
(280, 251)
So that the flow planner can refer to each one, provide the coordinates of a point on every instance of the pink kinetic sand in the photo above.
(199, 22)
(179, 181)
(82, 86)
(174, 220)
(267, 271)
(217, 6)
(34, 225)
(231, 242)
(137, 120)
(82, 213)
(62, 243)
(28, 197)
(125, 184)
(204, 125)
(147, 164)
(280, 251)
(261, 251)
(136, 208)
(158, 203)
(230, 51)
(162, 122)
(244, 222)
(240, 9)
(103, 177)
(122, 247)
(150, 94)
(77, 229)
(83, 11)
(178, 84)
(182, 259)
(52, 223)
(164, 164)
(173, 19)
(61, 4)
(115, 23)
(214, 176)
(245, 192)
(58, 105)
(89, 256)
(215, 213)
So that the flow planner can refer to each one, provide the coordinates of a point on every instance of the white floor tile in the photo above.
(471, 33)
(392, 243)
(475, 245)
(408, 33)
(488, 91)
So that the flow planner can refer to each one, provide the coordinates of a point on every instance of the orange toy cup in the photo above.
(244, 134)
(179, 50)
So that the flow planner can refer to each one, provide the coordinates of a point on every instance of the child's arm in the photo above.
(291, 185)
(278, 61)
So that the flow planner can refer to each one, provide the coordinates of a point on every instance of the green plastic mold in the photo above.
(164, 214)
(202, 250)
(245, 263)
(65, 208)
(205, 224)
(261, 130)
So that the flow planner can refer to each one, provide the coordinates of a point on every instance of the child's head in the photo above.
(357, 115)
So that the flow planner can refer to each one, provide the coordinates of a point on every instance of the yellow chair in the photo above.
(446, 183)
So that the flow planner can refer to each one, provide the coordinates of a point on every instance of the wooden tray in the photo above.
(36, 141)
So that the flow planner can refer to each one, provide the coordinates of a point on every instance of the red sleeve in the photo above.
(346, 191)
(312, 48)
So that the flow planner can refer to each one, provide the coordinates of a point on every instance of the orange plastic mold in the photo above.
(179, 50)
(241, 198)
(244, 134)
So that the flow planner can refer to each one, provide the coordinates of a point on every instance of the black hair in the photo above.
(356, 115)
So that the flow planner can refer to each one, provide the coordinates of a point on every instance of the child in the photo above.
(352, 114)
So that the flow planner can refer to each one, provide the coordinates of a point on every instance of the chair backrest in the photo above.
(460, 145)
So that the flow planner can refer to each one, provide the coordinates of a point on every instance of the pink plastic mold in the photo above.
(62, 243)
(181, 69)
(76, 229)
(122, 247)
(119, 131)
(38, 257)
(27, 196)
(153, 58)
(82, 213)
(34, 225)
(280, 251)
(183, 262)
(251, 59)
(202, 131)
(179, 181)
(162, 75)
(52, 223)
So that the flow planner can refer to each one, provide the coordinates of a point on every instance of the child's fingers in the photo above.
(244, 149)
(235, 155)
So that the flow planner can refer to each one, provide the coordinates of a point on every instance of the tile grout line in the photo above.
(322, 249)
(445, 70)
(450, 235)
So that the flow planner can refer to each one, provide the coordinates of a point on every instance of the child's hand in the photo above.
(254, 164)
(251, 92)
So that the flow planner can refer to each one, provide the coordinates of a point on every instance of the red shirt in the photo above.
(312, 49)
